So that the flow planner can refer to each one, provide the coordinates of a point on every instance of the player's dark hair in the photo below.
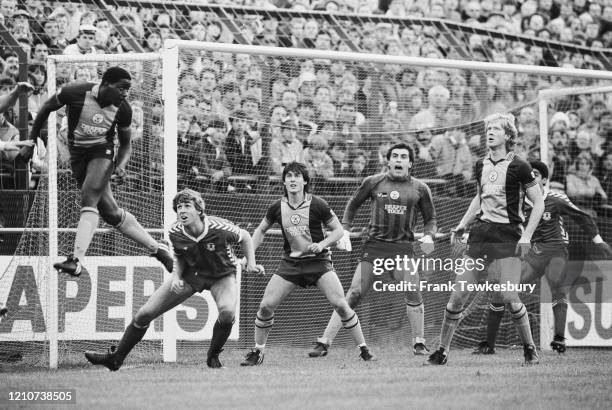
(187, 196)
(541, 167)
(297, 168)
(401, 145)
(115, 74)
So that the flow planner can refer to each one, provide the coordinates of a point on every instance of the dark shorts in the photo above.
(372, 250)
(81, 156)
(540, 256)
(199, 282)
(492, 241)
(304, 273)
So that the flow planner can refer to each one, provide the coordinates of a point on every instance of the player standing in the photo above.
(204, 260)
(395, 197)
(547, 257)
(96, 112)
(503, 179)
(307, 259)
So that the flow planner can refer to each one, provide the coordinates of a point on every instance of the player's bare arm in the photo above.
(260, 232)
(470, 214)
(534, 194)
(52, 104)
(177, 278)
(124, 151)
(337, 231)
(248, 249)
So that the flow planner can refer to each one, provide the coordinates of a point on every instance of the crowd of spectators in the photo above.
(241, 117)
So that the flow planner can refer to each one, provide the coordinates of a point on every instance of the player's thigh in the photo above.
(276, 291)
(330, 286)
(99, 171)
(529, 274)
(510, 270)
(363, 278)
(555, 272)
(162, 300)
(225, 293)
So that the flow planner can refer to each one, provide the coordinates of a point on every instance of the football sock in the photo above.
(352, 324)
(521, 320)
(416, 317)
(131, 228)
(132, 335)
(496, 313)
(221, 332)
(449, 325)
(262, 329)
(86, 228)
(559, 308)
(334, 325)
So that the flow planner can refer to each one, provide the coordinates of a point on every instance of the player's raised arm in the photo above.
(8, 100)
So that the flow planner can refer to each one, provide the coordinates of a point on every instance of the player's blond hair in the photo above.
(508, 125)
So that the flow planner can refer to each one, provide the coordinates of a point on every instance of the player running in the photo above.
(547, 257)
(307, 259)
(395, 197)
(503, 179)
(96, 112)
(204, 260)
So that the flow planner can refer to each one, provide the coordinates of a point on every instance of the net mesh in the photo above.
(96, 306)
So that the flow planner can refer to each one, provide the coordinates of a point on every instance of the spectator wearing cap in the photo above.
(319, 164)
(286, 149)
(212, 159)
(85, 41)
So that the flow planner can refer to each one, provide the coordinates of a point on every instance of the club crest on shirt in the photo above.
(97, 119)
(210, 246)
(394, 195)
(295, 219)
(493, 176)
(546, 216)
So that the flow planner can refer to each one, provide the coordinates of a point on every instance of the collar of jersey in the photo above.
(307, 197)
(509, 157)
(202, 235)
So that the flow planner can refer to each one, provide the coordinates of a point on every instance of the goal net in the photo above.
(349, 109)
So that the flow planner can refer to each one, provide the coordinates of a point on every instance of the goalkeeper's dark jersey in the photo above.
(550, 230)
(393, 205)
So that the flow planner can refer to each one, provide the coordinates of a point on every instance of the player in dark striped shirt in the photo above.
(204, 261)
(96, 112)
(395, 198)
(502, 181)
(548, 257)
(306, 260)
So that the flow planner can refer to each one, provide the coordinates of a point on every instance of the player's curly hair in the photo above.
(401, 145)
(541, 167)
(508, 125)
(115, 74)
(298, 168)
(189, 195)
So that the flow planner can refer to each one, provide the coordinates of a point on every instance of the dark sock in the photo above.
(131, 337)
(221, 332)
(496, 313)
(560, 314)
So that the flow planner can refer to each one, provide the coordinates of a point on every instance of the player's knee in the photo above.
(455, 303)
(226, 315)
(143, 317)
(413, 298)
(265, 310)
(113, 217)
(353, 297)
(341, 306)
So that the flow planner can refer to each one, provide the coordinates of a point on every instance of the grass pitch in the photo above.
(288, 379)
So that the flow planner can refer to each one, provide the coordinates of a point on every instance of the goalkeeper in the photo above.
(395, 196)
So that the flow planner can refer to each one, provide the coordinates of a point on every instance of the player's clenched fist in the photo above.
(258, 269)
(177, 285)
